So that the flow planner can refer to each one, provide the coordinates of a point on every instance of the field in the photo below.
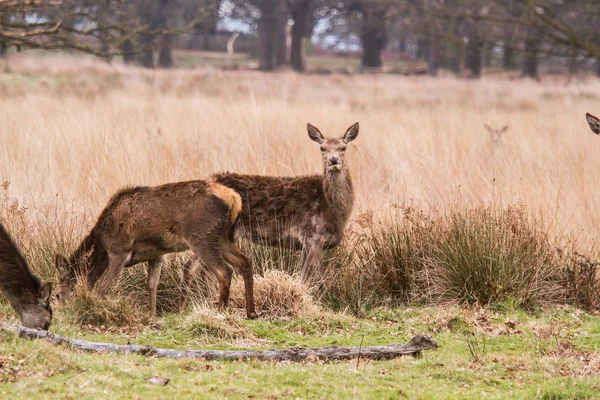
(435, 179)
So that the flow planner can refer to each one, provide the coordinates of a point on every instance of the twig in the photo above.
(359, 351)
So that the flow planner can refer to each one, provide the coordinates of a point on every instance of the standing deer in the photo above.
(594, 123)
(307, 213)
(144, 223)
(25, 292)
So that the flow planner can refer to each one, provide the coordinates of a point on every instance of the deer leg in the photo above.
(154, 267)
(223, 273)
(209, 253)
(310, 261)
(189, 270)
(235, 257)
(116, 263)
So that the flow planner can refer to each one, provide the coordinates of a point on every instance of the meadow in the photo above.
(482, 237)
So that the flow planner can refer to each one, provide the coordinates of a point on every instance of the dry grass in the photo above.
(423, 141)
(482, 255)
(87, 308)
(75, 130)
(277, 295)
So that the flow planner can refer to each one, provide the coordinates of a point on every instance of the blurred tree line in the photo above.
(460, 36)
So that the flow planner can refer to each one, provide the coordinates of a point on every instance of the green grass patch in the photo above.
(549, 354)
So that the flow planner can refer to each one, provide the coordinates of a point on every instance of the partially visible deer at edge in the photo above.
(144, 223)
(307, 213)
(594, 123)
(25, 292)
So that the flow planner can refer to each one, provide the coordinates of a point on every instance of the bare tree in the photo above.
(101, 27)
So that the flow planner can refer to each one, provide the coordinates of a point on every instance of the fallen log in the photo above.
(416, 345)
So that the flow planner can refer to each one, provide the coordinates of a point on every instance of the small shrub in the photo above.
(489, 256)
(582, 281)
(478, 255)
(379, 263)
(88, 308)
(276, 294)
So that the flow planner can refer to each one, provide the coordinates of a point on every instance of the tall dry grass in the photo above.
(73, 131)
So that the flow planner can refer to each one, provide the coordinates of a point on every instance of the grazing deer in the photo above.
(594, 123)
(144, 223)
(307, 213)
(25, 292)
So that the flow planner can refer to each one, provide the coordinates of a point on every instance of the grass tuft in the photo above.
(87, 308)
(276, 295)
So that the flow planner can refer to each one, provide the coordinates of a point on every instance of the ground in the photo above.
(504, 353)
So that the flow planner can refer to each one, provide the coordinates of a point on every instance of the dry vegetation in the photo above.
(448, 210)
(440, 197)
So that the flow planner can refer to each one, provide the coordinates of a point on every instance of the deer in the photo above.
(142, 224)
(593, 122)
(25, 291)
(305, 213)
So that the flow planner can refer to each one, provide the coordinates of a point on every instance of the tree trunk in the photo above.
(488, 52)
(267, 31)
(165, 57)
(423, 49)
(300, 11)
(450, 51)
(508, 55)
(529, 66)
(473, 54)
(414, 347)
(3, 50)
(280, 44)
(128, 51)
(432, 56)
(147, 54)
(373, 37)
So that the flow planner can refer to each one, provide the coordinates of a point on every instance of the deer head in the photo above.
(333, 149)
(594, 123)
(39, 314)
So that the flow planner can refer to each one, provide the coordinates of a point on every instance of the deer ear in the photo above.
(315, 134)
(594, 123)
(61, 263)
(44, 294)
(351, 133)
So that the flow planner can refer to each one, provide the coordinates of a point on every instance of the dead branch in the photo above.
(34, 32)
(416, 345)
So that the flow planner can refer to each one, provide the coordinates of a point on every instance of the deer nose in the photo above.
(334, 160)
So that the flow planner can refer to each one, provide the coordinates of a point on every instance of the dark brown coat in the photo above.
(144, 223)
(307, 213)
(25, 292)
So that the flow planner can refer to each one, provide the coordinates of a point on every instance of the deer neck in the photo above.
(339, 194)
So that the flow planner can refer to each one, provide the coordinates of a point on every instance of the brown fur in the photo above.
(25, 292)
(307, 213)
(144, 223)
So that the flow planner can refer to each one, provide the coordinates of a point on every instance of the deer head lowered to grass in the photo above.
(307, 213)
(25, 292)
(144, 223)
